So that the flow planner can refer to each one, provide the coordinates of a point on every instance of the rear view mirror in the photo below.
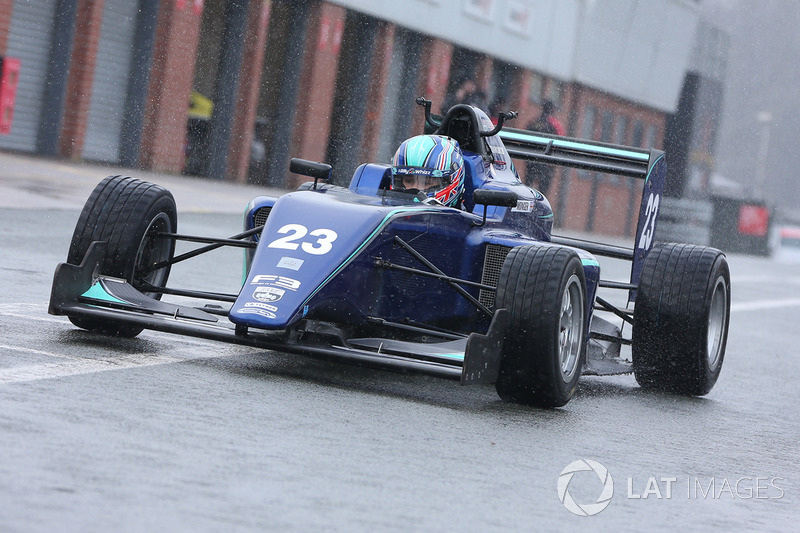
(486, 198)
(318, 171)
(498, 198)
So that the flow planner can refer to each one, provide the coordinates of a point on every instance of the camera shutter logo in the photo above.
(585, 509)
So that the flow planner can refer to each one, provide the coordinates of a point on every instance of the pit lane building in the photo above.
(129, 82)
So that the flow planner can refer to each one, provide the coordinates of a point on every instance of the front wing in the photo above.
(79, 292)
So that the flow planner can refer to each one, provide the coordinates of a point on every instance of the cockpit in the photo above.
(463, 124)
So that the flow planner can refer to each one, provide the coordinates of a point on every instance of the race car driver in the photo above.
(432, 165)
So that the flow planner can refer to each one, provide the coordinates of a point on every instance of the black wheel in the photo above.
(680, 322)
(544, 289)
(123, 212)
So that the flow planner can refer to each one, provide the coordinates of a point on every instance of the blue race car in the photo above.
(443, 262)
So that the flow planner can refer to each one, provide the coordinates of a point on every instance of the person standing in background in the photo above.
(538, 174)
(467, 93)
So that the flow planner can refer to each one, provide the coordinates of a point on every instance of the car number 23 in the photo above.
(297, 232)
(648, 230)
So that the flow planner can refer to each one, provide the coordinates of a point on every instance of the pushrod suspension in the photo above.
(217, 243)
(383, 263)
(613, 309)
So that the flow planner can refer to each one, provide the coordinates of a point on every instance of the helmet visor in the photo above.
(427, 180)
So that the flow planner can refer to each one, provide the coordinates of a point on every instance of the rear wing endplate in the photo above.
(648, 165)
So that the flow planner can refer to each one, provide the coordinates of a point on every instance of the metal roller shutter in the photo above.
(30, 35)
(110, 84)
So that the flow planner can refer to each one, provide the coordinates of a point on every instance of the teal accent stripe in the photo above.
(650, 171)
(369, 239)
(97, 292)
(560, 143)
(590, 262)
(546, 216)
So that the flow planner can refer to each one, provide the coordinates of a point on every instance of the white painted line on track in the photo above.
(71, 365)
(54, 320)
(759, 305)
(764, 279)
(38, 352)
(17, 306)
(65, 321)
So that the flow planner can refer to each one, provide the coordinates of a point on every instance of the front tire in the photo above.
(123, 212)
(681, 318)
(544, 289)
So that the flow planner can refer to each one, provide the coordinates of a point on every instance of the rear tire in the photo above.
(121, 211)
(544, 290)
(681, 319)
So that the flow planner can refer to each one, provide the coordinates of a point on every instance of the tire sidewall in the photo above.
(566, 389)
(671, 319)
(530, 370)
(119, 212)
(708, 374)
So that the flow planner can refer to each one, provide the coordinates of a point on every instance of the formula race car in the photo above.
(443, 262)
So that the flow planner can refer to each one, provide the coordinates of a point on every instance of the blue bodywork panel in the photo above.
(321, 251)
(317, 258)
(318, 252)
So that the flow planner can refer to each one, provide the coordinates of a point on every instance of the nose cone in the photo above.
(307, 239)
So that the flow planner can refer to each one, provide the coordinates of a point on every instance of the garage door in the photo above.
(110, 84)
(29, 39)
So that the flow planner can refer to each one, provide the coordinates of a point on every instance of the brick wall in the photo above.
(317, 84)
(81, 73)
(615, 208)
(381, 60)
(249, 85)
(172, 76)
(6, 7)
(436, 58)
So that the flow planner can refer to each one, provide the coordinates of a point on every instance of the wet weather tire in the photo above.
(122, 211)
(681, 318)
(544, 290)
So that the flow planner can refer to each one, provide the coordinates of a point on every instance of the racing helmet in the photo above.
(431, 164)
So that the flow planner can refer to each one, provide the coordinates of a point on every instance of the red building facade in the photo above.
(289, 75)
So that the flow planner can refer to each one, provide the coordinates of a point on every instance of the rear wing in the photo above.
(648, 165)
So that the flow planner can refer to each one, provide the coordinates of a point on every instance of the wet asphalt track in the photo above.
(173, 434)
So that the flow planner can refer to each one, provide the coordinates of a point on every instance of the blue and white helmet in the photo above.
(431, 164)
